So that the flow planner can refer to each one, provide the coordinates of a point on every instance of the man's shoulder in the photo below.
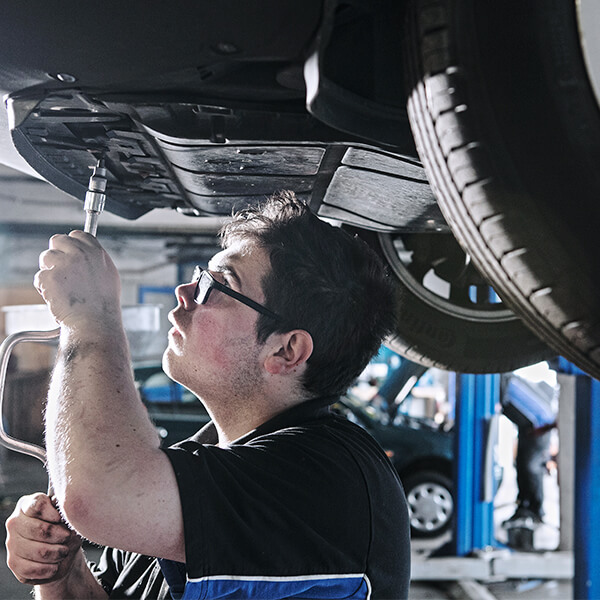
(327, 430)
(330, 438)
(327, 445)
(329, 427)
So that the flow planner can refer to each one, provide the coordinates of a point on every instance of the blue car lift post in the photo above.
(476, 397)
(466, 555)
(586, 547)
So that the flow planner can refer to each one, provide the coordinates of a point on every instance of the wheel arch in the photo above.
(438, 464)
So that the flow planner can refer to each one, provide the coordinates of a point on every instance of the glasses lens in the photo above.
(203, 286)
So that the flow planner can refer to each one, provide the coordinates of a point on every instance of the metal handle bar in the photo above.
(5, 351)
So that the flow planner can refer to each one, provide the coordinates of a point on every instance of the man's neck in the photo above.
(234, 421)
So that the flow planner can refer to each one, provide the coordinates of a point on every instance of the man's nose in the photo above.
(185, 295)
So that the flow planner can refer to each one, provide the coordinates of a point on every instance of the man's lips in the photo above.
(175, 332)
(176, 326)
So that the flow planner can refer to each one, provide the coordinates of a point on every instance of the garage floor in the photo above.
(22, 475)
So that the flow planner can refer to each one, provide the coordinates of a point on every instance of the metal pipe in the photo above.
(6, 348)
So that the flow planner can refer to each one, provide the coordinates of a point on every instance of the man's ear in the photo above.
(289, 351)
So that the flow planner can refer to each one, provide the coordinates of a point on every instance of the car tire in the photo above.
(452, 332)
(430, 503)
(508, 128)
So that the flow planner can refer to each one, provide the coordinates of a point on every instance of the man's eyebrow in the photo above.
(227, 268)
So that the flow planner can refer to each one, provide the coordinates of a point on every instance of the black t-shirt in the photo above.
(306, 506)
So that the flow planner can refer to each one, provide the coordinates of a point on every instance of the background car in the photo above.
(204, 107)
(422, 453)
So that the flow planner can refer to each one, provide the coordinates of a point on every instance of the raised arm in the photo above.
(112, 482)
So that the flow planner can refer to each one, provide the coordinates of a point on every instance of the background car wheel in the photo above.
(508, 128)
(430, 503)
(448, 315)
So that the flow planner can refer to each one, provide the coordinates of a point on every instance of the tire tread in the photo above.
(463, 177)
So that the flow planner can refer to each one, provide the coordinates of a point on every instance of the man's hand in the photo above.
(41, 548)
(79, 281)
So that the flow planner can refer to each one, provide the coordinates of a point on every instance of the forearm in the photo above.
(95, 422)
(80, 584)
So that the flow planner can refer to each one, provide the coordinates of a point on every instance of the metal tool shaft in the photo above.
(95, 198)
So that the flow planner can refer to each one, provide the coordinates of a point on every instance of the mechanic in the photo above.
(277, 497)
(532, 408)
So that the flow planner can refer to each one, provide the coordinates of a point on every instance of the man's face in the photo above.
(212, 348)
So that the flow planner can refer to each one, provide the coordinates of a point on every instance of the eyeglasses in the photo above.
(205, 282)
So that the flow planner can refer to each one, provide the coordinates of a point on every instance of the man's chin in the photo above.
(167, 362)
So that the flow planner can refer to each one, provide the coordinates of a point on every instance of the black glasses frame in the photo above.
(201, 275)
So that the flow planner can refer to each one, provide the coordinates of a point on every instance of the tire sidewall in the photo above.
(435, 338)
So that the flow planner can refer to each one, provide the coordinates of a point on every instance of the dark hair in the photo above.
(322, 280)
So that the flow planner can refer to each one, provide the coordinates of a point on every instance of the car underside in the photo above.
(406, 122)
